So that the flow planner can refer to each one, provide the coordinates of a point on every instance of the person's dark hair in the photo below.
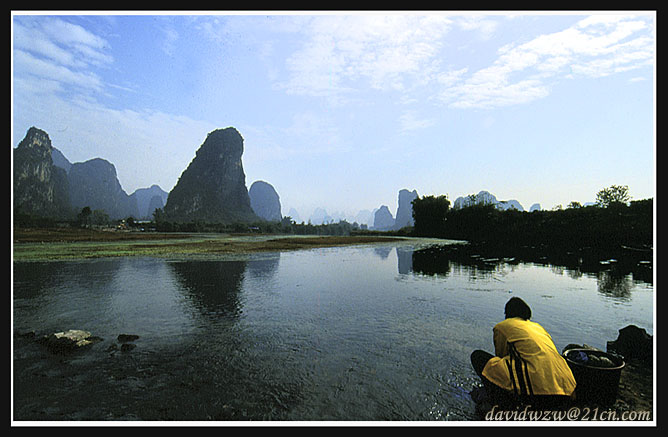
(516, 307)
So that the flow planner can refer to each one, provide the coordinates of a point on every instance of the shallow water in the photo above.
(373, 333)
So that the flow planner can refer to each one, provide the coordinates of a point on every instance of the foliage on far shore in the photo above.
(613, 223)
(604, 226)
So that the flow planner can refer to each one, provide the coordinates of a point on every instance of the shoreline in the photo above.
(68, 244)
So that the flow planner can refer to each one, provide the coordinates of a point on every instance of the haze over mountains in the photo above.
(211, 188)
(47, 184)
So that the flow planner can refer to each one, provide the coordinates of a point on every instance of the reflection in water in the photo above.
(263, 266)
(212, 286)
(405, 259)
(331, 334)
(383, 251)
(438, 261)
(614, 284)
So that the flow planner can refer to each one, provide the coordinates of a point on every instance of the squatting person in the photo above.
(527, 367)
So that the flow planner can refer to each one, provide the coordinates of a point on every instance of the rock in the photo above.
(633, 343)
(382, 219)
(364, 217)
(94, 183)
(127, 347)
(486, 198)
(505, 205)
(213, 186)
(30, 335)
(265, 202)
(126, 338)
(294, 215)
(148, 199)
(69, 341)
(320, 217)
(39, 187)
(404, 215)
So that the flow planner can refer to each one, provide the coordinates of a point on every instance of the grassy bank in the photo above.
(70, 243)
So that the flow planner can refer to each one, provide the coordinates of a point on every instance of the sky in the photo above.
(341, 110)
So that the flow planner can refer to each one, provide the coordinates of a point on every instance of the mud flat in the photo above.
(46, 245)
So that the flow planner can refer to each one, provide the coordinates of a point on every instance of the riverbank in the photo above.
(68, 243)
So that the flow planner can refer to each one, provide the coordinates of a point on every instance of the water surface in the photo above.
(374, 333)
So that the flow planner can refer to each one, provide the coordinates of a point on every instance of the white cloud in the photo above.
(55, 88)
(403, 52)
(385, 52)
(57, 56)
(27, 64)
(62, 42)
(594, 47)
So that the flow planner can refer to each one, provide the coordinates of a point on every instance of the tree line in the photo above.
(613, 222)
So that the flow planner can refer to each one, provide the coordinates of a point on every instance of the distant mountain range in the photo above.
(47, 184)
(212, 188)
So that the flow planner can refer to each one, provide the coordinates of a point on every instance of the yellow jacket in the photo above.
(526, 361)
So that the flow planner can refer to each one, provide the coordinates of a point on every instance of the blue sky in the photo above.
(342, 110)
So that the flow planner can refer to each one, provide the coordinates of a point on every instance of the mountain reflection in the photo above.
(212, 286)
(264, 266)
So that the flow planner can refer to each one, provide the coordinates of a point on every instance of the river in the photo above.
(379, 332)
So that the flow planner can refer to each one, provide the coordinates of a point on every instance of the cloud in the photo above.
(59, 41)
(344, 55)
(596, 46)
(57, 56)
(383, 52)
(27, 64)
(55, 86)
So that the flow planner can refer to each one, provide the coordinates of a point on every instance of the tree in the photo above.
(99, 217)
(158, 215)
(613, 195)
(429, 214)
(84, 216)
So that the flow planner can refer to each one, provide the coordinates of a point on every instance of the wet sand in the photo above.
(55, 244)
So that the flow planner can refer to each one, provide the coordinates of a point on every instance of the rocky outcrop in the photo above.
(265, 201)
(320, 217)
(482, 198)
(59, 160)
(156, 202)
(213, 186)
(382, 219)
(94, 184)
(505, 205)
(148, 199)
(633, 343)
(486, 198)
(68, 341)
(294, 215)
(404, 215)
(364, 217)
(40, 187)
